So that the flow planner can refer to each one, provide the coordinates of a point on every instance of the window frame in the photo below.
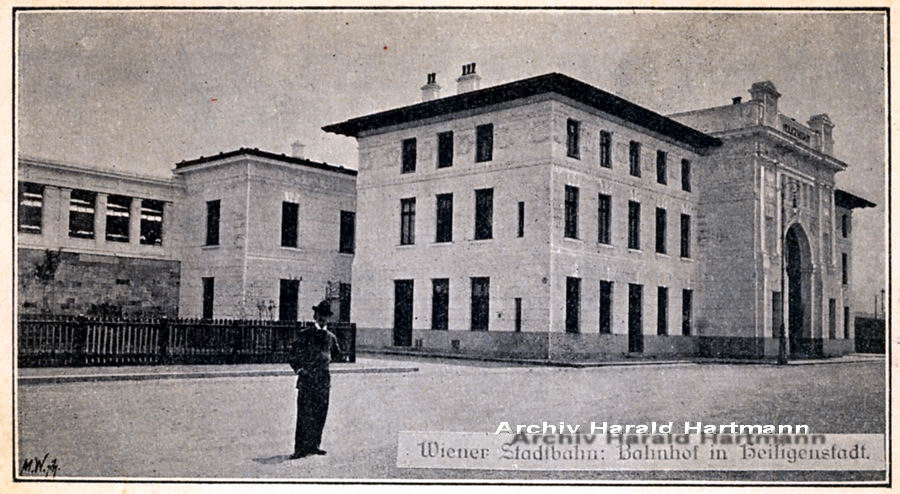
(347, 234)
(661, 233)
(634, 158)
(408, 155)
(443, 218)
(408, 221)
(290, 224)
(484, 143)
(29, 192)
(213, 220)
(662, 167)
(573, 138)
(570, 229)
(484, 214)
(634, 225)
(445, 149)
(605, 153)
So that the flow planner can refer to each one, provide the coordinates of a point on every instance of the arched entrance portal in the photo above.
(799, 285)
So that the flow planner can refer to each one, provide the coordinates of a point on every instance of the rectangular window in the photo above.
(845, 274)
(209, 289)
(686, 236)
(686, 175)
(212, 222)
(409, 155)
(408, 221)
(573, 304)
(445, 149)
(347, 242)
(151, 222)
(634, 158)
(662, 310)
(571, 227)
(82, 205)
(605, 149)
(832, 318)
(687, 312)
(290, 213)
(634, 225)
(573, 138)
(440, 303)
(484, 214)
(288, 299)
(521, 229)
(484, 143)
(31, 204)
(661, 230)
(118, 218)
(845, 225)
(444, 224)
(606, 304)
(777, 308)
(346, 291)
(518, 326)
(481, 303)
(846, 323)
(604, 219)
(661, 172)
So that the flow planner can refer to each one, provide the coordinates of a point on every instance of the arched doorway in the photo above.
(799, 288)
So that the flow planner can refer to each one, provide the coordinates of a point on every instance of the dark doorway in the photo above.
(344, 312)
(287, 300)
(798, 292)
(635, 329)
(403, 312)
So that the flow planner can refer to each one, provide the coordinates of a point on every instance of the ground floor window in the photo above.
(573, 304)
(209, 285)
(481, 303)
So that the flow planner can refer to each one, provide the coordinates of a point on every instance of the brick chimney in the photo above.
(765, 93)
(824, 126)
(297, 149)
(431, 90)
(469, 80)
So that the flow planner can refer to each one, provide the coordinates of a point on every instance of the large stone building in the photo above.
(548, 218)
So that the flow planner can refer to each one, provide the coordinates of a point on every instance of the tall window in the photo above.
(521, 228)
(31, 203)
(845, 274)
(573, 138)
(445, 149)
(661, 230)
(118, 218)
(605, 149)
(484, 143)
(832, 318)
(288, 299)
(408, 221)
(571, 227)
(604, 219)
(290, 212)
(151, 222)
(409, 155)
(845, 225)
(209, 289)
(661, 172)
(481, 303)
(484, 214)
(687, 311)
(846, 323)
(634, 158)
(347, 242)
(212, 222)
(606, 304)
(634, 225)
(444, 213)
(573, 304)
(662, 310)
(685, 236)
(440, 303)
(82, 204)
(346, 294)
(686, 175)
(518, 315)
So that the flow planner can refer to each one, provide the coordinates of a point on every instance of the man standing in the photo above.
(310, 356)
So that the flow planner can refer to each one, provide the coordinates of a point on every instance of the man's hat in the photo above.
(324, 308)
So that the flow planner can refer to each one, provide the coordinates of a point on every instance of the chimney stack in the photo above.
(824, 126)
(765, 93)
(297, 149)
(469, 80)
(431, 90)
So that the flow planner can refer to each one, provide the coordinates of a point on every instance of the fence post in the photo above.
(163, 337)
(80, 340)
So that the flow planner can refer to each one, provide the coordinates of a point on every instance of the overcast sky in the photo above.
(141, 90)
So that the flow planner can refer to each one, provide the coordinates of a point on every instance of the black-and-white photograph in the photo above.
(642, 246)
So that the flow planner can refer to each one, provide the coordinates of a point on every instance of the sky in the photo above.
(139, 91)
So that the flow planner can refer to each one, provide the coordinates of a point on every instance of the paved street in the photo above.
(242, 427)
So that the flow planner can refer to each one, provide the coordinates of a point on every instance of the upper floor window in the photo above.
(571, 226)
(604, 219)
(685, 236)
(347, 243)
(82, 205)
(444, 213)
(118, 218)
(686, 175)
(845, 225)
(484, 214)
(212, 222)
(408, 221)
(484, 143)
(290, 213)
(573, 138)
(151, 222)
(31, 205)
(660, 230)
(605, 149)
(445, 149)
(409, 156)
(661, 172)
(634, 158)
(634, 225)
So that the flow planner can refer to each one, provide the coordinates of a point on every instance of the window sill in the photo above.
(687, 259)
(605, 246)
(210, 247)
(636, 251)
(481, 240)
(573, 239)
(441, 244)
(289, 247)
(405, 246)
(662, 254)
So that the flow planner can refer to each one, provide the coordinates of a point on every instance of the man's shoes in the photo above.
(300, 454)
(318, 451)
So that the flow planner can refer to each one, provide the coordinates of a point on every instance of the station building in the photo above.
(546, 218)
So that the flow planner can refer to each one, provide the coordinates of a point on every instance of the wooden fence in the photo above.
(52, 341)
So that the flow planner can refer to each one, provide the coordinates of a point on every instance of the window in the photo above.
(408, 155)
(571, 227)
(151, 222)
(445, 149)
(290, 212)
(444, 224)
(662, 310)
(212, 222)
(634, 225)
(661, 172)
(686, 175)
(634, 158)
(606, 300)
(518, 316)
(345, 299)
(832, 318)
(81, 213)
(31, 204)
(687, 310)
(605, 149)
(777, 308)
(347, 242)
(209, 288)
(521, 230)
(484, 214)
(686, 236)
(440, 303)
(846, 323)
(481, 303)
(661, 230)
(573, 304)
(845, 274)
(288, 298)
(118, 218)
(604, 219)
(573, 138)
(845, 225)
(408, 221)
(484, 143)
